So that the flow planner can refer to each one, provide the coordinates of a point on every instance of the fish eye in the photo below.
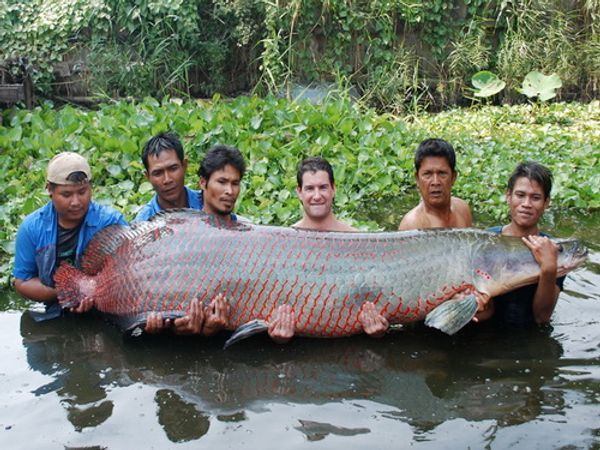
(561, 248)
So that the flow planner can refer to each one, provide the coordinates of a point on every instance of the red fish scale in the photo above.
(325, 277)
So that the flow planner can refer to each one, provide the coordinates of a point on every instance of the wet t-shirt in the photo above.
(515, 308)
(66, 248)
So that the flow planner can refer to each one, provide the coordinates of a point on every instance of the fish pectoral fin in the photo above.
(452, 315)
(246, 330)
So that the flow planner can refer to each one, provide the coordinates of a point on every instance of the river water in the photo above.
(76, 383)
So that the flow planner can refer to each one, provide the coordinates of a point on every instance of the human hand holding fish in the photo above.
(84, 306)
(544, 250)
(373, 323)
(216, 314)
(191, 323)
(282, 325)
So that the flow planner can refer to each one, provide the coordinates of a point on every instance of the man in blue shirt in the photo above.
(165, 164)
(528, 196)
(59, 231)
(220, 174)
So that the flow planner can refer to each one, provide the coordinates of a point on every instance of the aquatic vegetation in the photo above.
(372, 154)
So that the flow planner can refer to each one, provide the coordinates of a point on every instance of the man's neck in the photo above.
(512, 229)
(442, 214)
(69, 224)
(327, 223)
(181, 202)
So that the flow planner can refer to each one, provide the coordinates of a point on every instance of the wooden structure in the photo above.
(16, 89)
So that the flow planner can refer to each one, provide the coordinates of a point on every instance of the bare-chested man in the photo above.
(435, 174)
(316, 191)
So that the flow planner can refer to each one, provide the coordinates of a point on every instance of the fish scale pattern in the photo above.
(161, 265)
(325, 277)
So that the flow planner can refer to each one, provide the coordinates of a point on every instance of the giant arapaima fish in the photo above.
(161, 265)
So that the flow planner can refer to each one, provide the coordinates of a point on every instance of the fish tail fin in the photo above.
(246, 330)
(68, 284)
(452, 315)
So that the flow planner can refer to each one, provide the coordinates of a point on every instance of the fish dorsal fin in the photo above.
(107, 241)
(177, 215)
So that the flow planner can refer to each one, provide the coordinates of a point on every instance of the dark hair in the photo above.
(160, 143)
(435, 147)
(535, 172)
(220, 156)
(74, 177)
(314, 164)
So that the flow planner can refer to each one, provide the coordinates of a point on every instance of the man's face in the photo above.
(166, 173)
(526, 202)
(434, 180)
(316, 194)
(221, 190)
(71, 202)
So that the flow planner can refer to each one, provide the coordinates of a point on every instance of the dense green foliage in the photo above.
(372, 154)
(398, 54)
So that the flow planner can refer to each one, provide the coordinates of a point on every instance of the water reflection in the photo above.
(417, 376)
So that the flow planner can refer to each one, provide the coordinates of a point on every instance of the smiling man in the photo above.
(435, 175)
(528, 196)
(59, 231)
(316, 191)
(165, 164)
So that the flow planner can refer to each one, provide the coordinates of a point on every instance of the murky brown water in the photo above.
(74, 383)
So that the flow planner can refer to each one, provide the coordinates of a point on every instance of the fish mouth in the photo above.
(578, 255)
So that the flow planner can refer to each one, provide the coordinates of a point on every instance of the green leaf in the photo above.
(145, 187)
(255, 122)
(114, 170)
(486, 84)
(539, 85)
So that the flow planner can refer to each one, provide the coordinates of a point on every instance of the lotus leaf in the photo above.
(486, 84)
(539, 85)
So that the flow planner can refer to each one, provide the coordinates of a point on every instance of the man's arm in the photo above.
(545, 253)
(34, 289)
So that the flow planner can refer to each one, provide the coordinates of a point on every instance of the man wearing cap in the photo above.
(59, 231)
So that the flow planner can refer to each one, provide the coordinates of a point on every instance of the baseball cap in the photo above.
(64, 164)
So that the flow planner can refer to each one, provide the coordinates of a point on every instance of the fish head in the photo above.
(504, 263)
(571, 255)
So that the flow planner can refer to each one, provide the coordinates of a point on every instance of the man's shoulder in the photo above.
(147, 211)
(343, 226)
(38, 218)
(460, 204)
(105, 214)
(195, 198)
(413, 219)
